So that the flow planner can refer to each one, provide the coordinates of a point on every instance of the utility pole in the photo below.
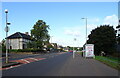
(6, 29)
(86, 36)
(73, 48)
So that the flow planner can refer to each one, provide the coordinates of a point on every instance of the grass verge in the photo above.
(112, 62)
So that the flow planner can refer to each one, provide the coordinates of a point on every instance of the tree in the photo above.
(103, 38)
(68, 47)
(3, 46)
(40, 34)
(118, 37)
(31, 44)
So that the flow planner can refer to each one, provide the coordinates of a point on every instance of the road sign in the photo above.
(7, 28)
(89, 50)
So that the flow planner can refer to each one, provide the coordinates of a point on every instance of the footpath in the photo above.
(80, 66)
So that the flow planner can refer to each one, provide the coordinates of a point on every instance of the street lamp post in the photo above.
(86, 34)
(86, 29)
(74, 49)
(6, 29)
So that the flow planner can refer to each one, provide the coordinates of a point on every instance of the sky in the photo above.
(63, 18)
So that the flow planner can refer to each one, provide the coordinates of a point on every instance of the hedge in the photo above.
(26, 50)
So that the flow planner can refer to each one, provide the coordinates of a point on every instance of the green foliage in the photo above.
(40, 34)
(31, 44)
(75, 48)
(113, 62)
(68, 47)
(54, 45)
(27, 50)
(13, 50)
(103, 38)
(118, 39)
(3, 46)
(49, 46)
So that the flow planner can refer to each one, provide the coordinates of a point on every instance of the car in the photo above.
(71, 51)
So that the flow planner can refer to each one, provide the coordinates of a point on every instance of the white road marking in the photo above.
(25, 60)
(34, 59)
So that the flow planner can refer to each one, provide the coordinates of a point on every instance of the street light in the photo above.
(86, 33)
(86, 29)
(6, 29)
(74, 49)
(6, 11)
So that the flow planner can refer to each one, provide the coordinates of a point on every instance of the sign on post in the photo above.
(89, 50)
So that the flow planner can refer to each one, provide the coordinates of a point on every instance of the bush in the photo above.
(13, 50)
(116, 54)
(3, 49)
(27, 50)
(23, 50)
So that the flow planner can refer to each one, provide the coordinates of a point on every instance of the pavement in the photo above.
(4, 65)
(62, 65)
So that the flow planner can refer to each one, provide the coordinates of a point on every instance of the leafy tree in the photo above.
(3, 46)
(48, 46)
(40, 34)
(103, 38)
(54, 45)
(118, 38)
(31, 44)
(68, 47)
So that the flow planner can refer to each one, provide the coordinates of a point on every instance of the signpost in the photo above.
(89, 50)
(74, 49)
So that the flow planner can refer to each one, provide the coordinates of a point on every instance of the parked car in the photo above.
(71, 51)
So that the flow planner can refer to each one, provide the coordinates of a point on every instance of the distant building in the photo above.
(54, 45)
(59, 47)
(65, 48)
(18, 40)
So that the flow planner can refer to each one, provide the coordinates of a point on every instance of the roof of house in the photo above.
(19, 35)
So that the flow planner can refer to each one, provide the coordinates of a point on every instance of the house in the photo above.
(54, 45)
(18, 40)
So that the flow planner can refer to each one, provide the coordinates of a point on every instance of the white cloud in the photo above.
(69, 33)
(72, 32)
(69, 41)
(61, 41)
(94, 20)
(91, 26)
(78, 32)
(111, 20)
(108, 20)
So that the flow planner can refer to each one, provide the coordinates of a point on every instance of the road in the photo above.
(63, 65)
(14, 56)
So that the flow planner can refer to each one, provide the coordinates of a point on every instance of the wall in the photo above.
(18, 43)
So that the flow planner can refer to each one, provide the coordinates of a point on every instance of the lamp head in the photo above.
(82, 18)
(6, 11)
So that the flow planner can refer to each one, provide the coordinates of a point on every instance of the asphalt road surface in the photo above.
(14, 56)
(63, 65)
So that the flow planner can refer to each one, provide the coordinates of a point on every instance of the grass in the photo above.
(79, 53)
(110, 61)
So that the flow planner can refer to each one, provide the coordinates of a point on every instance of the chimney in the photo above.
(26, 33)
